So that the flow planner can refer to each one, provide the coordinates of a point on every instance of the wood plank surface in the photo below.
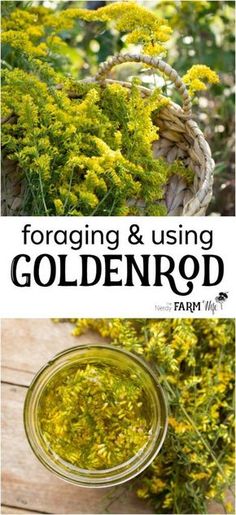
(30, 343)
(27, 487)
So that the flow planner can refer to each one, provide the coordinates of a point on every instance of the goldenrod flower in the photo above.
(195, 76)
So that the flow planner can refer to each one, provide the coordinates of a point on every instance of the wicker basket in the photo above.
(179, 138)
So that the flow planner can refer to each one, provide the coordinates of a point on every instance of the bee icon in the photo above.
(222, 297)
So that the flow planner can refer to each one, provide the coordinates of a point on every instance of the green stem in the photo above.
(70, 185)
(100, 203)
(42, 194)
(31, 188)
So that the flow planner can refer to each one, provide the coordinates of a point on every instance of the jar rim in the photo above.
(100, 477)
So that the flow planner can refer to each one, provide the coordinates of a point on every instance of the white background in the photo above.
(119, 301)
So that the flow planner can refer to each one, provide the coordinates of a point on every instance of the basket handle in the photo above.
(155, 62)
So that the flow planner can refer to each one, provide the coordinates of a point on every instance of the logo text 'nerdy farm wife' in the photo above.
(212, 306)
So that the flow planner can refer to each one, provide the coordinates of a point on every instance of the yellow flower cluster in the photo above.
(22, 41)
(143, 26)
(194, 359)
(195, 76)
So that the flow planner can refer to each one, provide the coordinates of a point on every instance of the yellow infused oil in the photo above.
(94, 416)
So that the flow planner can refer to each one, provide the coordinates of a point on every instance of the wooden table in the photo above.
(27, 487)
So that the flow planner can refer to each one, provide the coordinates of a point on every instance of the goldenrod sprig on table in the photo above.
(194, 359)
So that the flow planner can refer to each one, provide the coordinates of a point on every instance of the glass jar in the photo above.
(155, 405)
